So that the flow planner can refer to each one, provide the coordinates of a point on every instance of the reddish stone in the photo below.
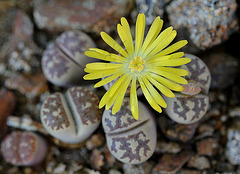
(29, 85)
(171, 163)
(7, 104)
(207, 147)
(94, 15)
(23, 27)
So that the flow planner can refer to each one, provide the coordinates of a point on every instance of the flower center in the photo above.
(136, 64)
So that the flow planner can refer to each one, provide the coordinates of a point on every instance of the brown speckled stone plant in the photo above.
(23, 148)
(192, 103)
(71, 117)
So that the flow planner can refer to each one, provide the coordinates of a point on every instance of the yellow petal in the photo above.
(176, 71)
(104, 99)
(173, 48)
(125, 35)
(172, 56)
(164, 43)
(167, 92)
(170, 76)
(157, 59)
(163, 35)
(100, 74)
(108, 79)
(139, 33)
(148, 96)
(169, 84)
(103, 66)
(107, 57)
(152, 33)
(177, 55)
(121, 93)
(157, 97)
(173, 62)
(117, 84)
(112, 43)
(133, 99)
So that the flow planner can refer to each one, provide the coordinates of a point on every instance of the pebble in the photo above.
(209, 22)
(96, 140)
(7, 105)
(171, 163)
(96, 159)
(218, 61)
(23, 26)
(199, 162)
(89, 15)
(151, 9)
(29, 85)
(176, 131)
(233, 143)
(144, 168)
(207, 147)
(167, 147)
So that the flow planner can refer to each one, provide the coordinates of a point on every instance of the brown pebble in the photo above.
(96, 159)
(207, 147)
(171, 163)
(96, 140)
(29, 85)
(7, 104)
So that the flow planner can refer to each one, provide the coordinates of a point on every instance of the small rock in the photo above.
(209, 22)
(167, 147)
(188, 171)
(110, 160)
(233, 143)
(23, 27)
(93, 15)
(29, 85)
(144, 168)
(199, 162)
(96, 140)
(217, 62)
(234, 112)
(7, 104)
(151, 8)
(96, 159)
(207, 147)
(114, 171)
(205, 129)
(171, 163)
(176, 131)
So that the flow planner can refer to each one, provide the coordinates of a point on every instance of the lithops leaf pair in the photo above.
(129, 140)
(71, 117)
(23, 148)
(192, 103)
(63, 62)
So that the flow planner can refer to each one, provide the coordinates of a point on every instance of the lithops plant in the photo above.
(65, 58)
(71, 117)
(23, 148)
(129, 140)
(192, 103)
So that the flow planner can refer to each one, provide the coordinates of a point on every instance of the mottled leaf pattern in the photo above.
(125, 145)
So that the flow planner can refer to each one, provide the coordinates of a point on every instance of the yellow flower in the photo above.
(147, 62)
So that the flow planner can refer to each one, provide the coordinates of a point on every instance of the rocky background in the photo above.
(212, 29)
